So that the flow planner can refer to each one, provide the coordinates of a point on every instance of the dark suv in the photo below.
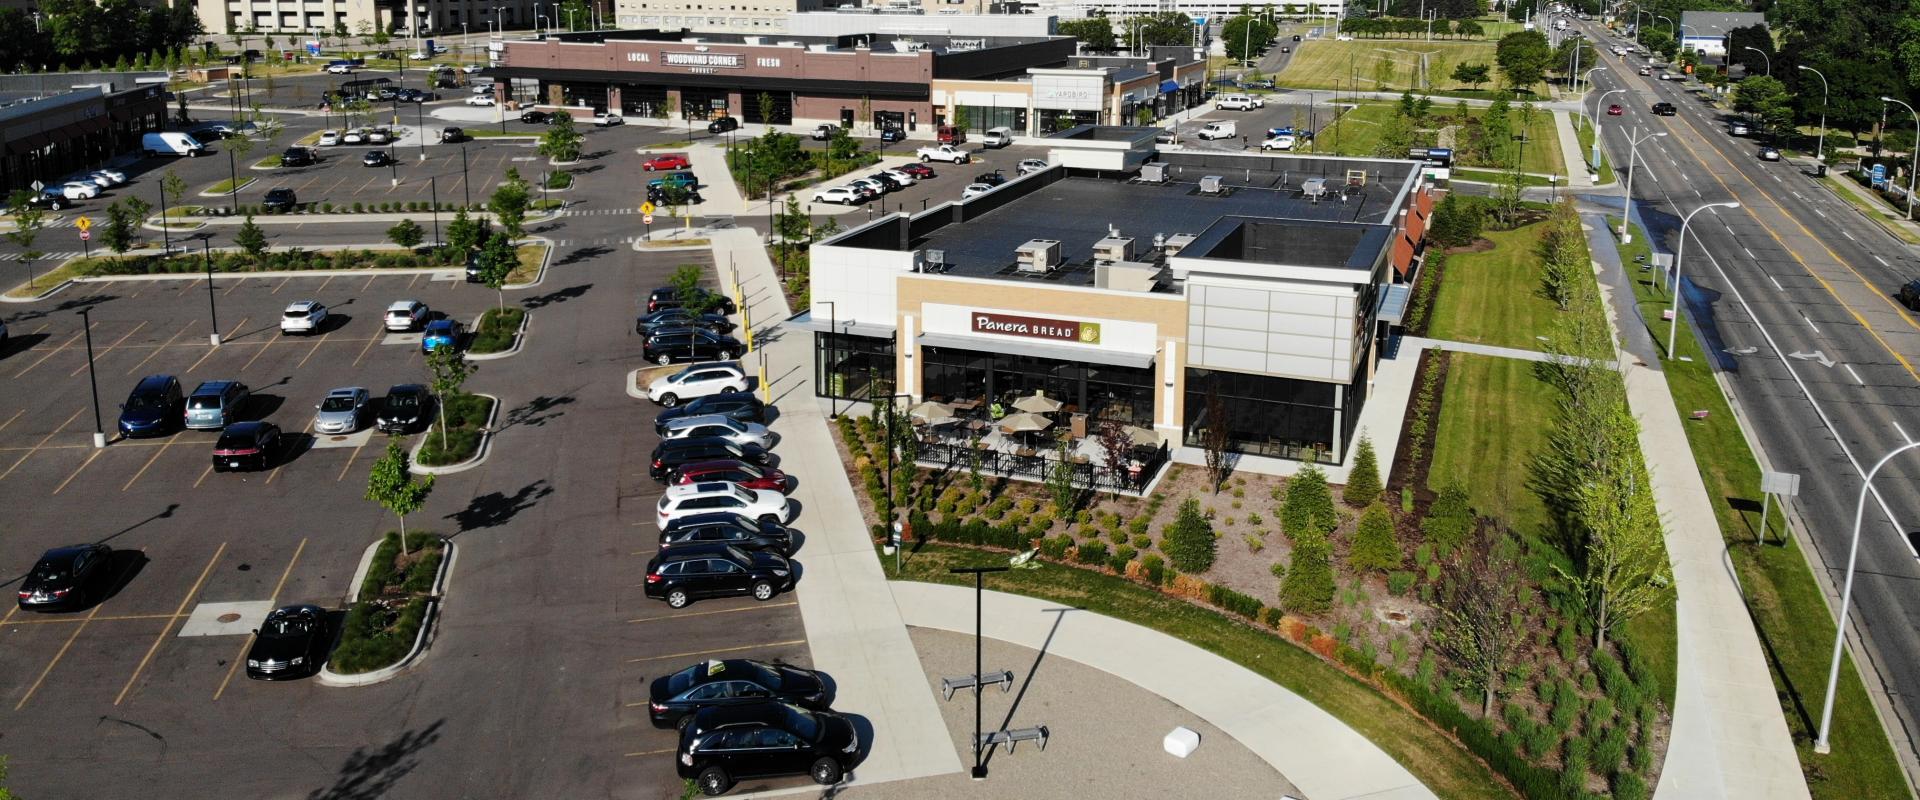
(298, 157)
(407, 407)
(1664, 109)
(689, 344)
(725, 743)
(667, 297)
(279, 201)
(689, 572)
(1910, 295)
(671, 454)
(726, 527)
(156, 407)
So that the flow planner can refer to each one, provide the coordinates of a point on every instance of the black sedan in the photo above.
(738, 406)
(726, 527)
(298, 157)
(991, 178)
(290, 643)
(407, 407)
(376, 158)
(535, 117)
(67, 578)
(727, 743)
(279, 201)
(452, 135)
(723, 124)
(681, 318)
(246, 445)
(668, 297)
(684, 574)
(673, 699)
(689, 344)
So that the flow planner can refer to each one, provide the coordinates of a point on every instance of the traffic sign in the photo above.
(647, 207)
(85, 236)
(647, 219)
(37, 186)
(83, 223)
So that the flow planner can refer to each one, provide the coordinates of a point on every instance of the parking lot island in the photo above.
(394, 599)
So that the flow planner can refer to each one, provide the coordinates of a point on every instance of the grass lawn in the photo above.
(669, 145)
(268, 162)
(1493, 297)
(531, 256)
(1382, 65)
(1432, 758)
(1873, 211)
(1585, 133)
(1357, 133)
(1496, 176)
(1494, 415)
(463, 415)
(1795, 624)
(48, 276)
(228, 186)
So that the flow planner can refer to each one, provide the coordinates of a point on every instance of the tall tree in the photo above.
(1189, 541)
(1482, 593)
(1623, 569)
(1308, 586)
(561, 140)
(1565, 265)
(448, 369)
(1523, 57)
(251, 239)
(392, 485)
(1472, 74)
(1095, 33)
(509, 204)
(406, 233)
(1308, 507)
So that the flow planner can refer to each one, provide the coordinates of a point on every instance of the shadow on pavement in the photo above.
(366, 776)
(1060, 614)
(495, 508)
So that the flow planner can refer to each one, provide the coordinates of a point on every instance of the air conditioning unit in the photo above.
(1313, 188)
(1212, 184)
(1155, 173)
(1038, 255)
(933, 260)
(1177, 243)
(1125, 276)
(1113, 248)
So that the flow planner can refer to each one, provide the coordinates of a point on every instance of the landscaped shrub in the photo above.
(1573, 769)
(497, 329)
(1308, 587)
(1628, 786)
(377, 634)
(1610, 749)
(1189, 541)
(1449, 518)
(1155, 567)
(1230, 600)
(1398, 582)
(1374, 547)
(1309, 504)
(1093, 553)
(1363, 481)
(1566, 706)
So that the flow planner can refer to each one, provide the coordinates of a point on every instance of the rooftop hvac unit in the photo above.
(1113, 248)
(1037, 255)
(1177, 243)
(1125, 276)
(1314, 188)
(1212, 184)
(1155, 173)
(933, 259)
(1356, 178)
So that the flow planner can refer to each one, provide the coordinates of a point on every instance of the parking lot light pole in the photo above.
(166, 238)
(833, 324)
(99, 432)
(1821, 155)
(420, 126)
(979, 772)
(1822, 744)
(433, 184)
(1763, 57)
(213, 311)
(233, 185)
(465, 185)
(1673, 314)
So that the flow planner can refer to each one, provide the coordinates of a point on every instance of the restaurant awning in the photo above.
(1169, 86)
(1036, 350)
(1393, 303)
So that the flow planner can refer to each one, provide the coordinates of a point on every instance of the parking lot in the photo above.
(536, 679)
(1294, 109)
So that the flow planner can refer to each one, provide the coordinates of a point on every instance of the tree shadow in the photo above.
(588, 170)
(556, 296)
(536, 412)
(369, 775)
(494, 508)
(73, 305)
(582, 254)
(595, 155)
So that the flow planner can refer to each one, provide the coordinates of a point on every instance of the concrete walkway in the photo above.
(1882, 213)
(1321, 755)
(1482, 350)
(1571, 153)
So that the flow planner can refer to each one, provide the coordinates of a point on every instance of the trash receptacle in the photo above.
(1819, 170)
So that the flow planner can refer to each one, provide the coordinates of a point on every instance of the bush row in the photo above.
(463, 415)
(496, 330)
(377, 634)
(356, 208)
(284, 260)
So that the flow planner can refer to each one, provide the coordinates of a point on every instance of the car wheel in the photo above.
(714, 782)
(669, 400)
(663, 359)
(677, 598)
(826, 772)
(682, 723)
(773, 518)
(726, 355)
(647, 168)
(925, 159)
(736, 388)
(763, 591)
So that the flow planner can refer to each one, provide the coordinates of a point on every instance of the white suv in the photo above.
(688, 499)
(406, 315)
(839, 194)
(305, 316)
(698, 380)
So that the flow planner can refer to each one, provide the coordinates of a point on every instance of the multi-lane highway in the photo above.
(1794, 293)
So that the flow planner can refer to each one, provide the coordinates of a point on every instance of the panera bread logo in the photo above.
(1036, 327)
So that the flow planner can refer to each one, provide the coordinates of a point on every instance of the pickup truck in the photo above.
(944, 152)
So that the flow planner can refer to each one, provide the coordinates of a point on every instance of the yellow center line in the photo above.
(156, 350)
(43, 443)
(754, 607)
(168, 628)
(271, 599)
(56, 658)
(150, 460)
(718, 650)
(16, 415)
(51, 353)
(208, 470)
(109, 348)
(82, 468)
(111, 618)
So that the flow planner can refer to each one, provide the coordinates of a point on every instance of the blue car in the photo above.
(440, 333)
(156, 407)
(681, 179)
(1280, 131)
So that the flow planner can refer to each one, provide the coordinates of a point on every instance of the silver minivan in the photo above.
(216, 404)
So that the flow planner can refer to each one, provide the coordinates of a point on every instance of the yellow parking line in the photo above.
(203, 475)
(76, 473)
(719, 650)
(109, 348)
(323, 285)
(416, 279)
(42, 443)
(51, 353)
(316, 348)
(653, 752)
(235, 285)
(16, 415)
(283, 285)
(271, 599)
(184, 289)
(56, 658)
(349, 465)
(156, 351)
(59, 620)
(370, 280)
(168, 628)
(754, 607)
(265, 344)
(143, 467)
(363, 350)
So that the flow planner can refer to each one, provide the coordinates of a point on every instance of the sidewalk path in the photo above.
(1321, 755)
(1421, 343)
(1882, 213)
(1571, 153)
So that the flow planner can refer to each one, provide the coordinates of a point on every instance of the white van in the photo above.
(172, 143)
(1219, 130)
(997, 137)
(1234, 102)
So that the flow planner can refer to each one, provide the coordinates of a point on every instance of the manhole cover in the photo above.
(336, 438)
(228, 617)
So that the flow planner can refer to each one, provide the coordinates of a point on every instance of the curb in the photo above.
(234, 191)
(479, 457)
(48, 293)
(633, 382)
(519, 340)
(640, 244)
(327, 677)
(323, 217)
(271, 273)
(540, 276)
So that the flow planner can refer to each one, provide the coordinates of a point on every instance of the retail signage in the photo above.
(708, 60)
(1036, 327)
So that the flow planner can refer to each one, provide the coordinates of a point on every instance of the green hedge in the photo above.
(496, 329)
(464, 415)
(377, 634)
(418, 577)
(285, 260)
(1236, 602)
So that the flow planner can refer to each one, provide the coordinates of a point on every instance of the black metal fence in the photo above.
(1132, 478)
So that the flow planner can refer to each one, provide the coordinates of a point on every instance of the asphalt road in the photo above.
(1798, 271)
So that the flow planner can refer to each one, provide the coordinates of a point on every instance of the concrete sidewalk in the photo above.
(1321, 755)
(1571, 153)
(1882, 213)
(1481, 350)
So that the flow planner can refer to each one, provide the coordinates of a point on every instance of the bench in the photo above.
(1010, 738)
(1003, 677)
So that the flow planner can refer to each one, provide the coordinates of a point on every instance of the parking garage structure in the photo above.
(1171, 291)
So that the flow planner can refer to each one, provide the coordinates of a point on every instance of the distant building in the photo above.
(913, 22)
(738, 16)
(1213, 10)
(53, 124)
(424, 17)
(1706, 31)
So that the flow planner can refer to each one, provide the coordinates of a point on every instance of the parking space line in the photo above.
(271, 599)
(235, 285)
(265, 344)
(316, 348)
(227, 339)
(51, 353)
(16, 415)
(350, 457)
(168, 628)
(143, 467)
(158, 350)
(283, 285)
(109, 618)
(754, 607)
(184, 289)
(719, 650)
(203, 475)
(82, 468)
(323, 285)
(370, 280)
(653, 752)
(42, 443)
(109, 348)
(367, 347)
(56, 657)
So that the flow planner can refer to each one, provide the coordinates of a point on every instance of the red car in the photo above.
(1615, 110)
(670, 161)
(740, 472)
(920, 172)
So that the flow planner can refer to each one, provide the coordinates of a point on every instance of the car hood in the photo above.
(332, 417)
(766, 560)
(794, 680)
(401, 414)
(277, 648)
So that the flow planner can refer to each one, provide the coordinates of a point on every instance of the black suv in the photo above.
(299, 157)
(991, 178)
(677, 317)
(279, 201)
(739, 406)
(667, 297)
(726, 527)
(407, 407)
(671, 454)
(535, 117)
(689, 344)
(674, 699)
(662, 196)
(689, 572)
(452, 135)
(726, 743)
(1664, 109)
(723, 124)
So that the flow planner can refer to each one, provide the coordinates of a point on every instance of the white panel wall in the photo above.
(1289, 329)
(858, 281)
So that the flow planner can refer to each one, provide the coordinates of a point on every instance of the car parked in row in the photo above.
(668, 345)
(279, 201)
(407, 408)
(672, 455)
(67, 578)
(303, 316)
(246, 446)
(699, 380)
(684, 574)
(726, 527)
(682, 500)
(669, 297)
(290, 643)
(216, 404)
(733, 471)
(407, 315)
(742, 406)
(154, 408)
(440, 333)
(722, 745)
(719, 427)
(674, 699)
(681, 318)
(342, 410)
(844, 195)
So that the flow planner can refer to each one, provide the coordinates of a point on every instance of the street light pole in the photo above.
(979, 591)
(233, 185)
(1626, 216)
(1596, 124)
(1763, 57)
(433, 185)
(166, 238)
(213, 311)
(1673, 314)
(99, 432)
(1916, 151)
(1821, 744)
(1821, 156)
(1589, 82)
(465, 185)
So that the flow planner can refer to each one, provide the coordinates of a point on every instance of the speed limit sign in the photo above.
(648, 219)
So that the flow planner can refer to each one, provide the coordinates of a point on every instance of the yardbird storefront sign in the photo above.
(1036, 327)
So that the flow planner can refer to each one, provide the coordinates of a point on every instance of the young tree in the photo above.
(118, 232)
(1472, 74)
(1217, 439)
(1449, 518)
(1469, 28)
(1565, 266)
(766, 108)
(448, 368)
(137, 212)
(1624, 566)
(561, 141)
(1062, 480)
(1116, 447)
(251, 239)
(685, 281)
(1189, 542)
(465, 234)
(28, 219)
(509, 204)
(497, 260)
(406, 233)
(793, 225)
(1308, 587)
(1374, 546)
(1482, 594)
(392, 485)
(1308, 507)
(172, 188)
(1363, 481)
(1523, 57)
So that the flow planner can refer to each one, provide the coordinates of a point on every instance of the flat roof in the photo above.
(878, 41)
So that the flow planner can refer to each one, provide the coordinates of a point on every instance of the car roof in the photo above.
(406, 388)
(246, 428)
(701, 489)
(65, 554)
(212, 387)
(152, 382)
(701, 419)
(403, 305)
(302, 305)
(439, 323)
(715, 465)
(346, 391)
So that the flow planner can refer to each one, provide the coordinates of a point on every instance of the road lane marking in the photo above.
(350, 457)
(717, 650)
(754, 607)
(363, 350)
(283, 285)
(150, 460)
(264, 346)
(271, 599)
(57, 656)
(316, 348)
(43, 443)
(168, 628)
(50, 353)
(203, 475)
(1848, 235)
(1804, 318)
(16, 415)
(1776, 283)
(109, 348)
(1856, 375)
(1745, 250)
(1903, 433)
(1883, 262)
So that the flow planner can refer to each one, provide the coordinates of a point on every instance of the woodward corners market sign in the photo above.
(1036, 327)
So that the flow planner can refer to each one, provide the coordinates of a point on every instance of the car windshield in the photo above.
(337, 404)
(145, 401)
(285, 626)
(402, 402)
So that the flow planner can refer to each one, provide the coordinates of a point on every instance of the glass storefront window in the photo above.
(952, 375)
(1270, 416)
(850, 367)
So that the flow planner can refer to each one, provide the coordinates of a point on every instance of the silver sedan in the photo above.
(342, 411)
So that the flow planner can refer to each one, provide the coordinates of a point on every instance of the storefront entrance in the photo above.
(1123, 394)
(882, 120)
(703, 104)
(852, 367)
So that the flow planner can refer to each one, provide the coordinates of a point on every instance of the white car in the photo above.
(839, 194)
(355, 136)
(88, 177)
(945, 152)
(721, 426)
(974, 190)
(303, 316)
(698, 380)
(379, 136)
(114, 177)
(406, 315)
(471, 68)
(484, 88)
(688, 499)
(80, 190)
(480, 99)
(608, 120)
(1029, 166)
(340, 69)
(329, 138)
(903, 177)
(1278, 143)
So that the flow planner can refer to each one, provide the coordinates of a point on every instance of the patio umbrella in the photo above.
(1037, 403)
(929, 411)
(1142, 437)
(1024, 422)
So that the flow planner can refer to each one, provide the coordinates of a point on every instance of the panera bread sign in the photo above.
(1036, 327)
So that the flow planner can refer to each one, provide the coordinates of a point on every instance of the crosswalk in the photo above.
(47, 257)
(599, 212)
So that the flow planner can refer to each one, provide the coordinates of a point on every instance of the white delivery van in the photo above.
(172, 143)
(1234, 102)
(1219, 130)
(997, 137)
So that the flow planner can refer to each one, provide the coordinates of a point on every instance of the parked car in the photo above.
(900, 176)
(670, 195)
(665, 318)
(1028, 166)
(672, 454)
(303, 316)
(684, 574)
(80, 190)
(535, 117)
(407, 407)
(723, 124)
(299, 157)
(155, 407)
(216, 404)
(682, 179)
(608, 120)
(825, 131)
(1909, 297)
(666, 162)
(342, 410)
(991, 178)
(440, 333)
(726, 527)
(699, 498)
(1278, 143)
(452, 135)
(329, 138)
(997, 138)
(51, 198)
(376, 158)
(974, 190)
(290, 643)
(379, 136)
(279, 201)
(920, 172)
(354, 136)
(718, 426)
(67, 578)
(699, 380)
(950, 134)
(739, 472)
(246, 445)
(845, 195)
(480, 99)
(689, 344)
(667, 297)
(892, 135)
(870, 187)
(943, 152)
(673, 699)
(406, 315)
(742, 406)
(722, 745)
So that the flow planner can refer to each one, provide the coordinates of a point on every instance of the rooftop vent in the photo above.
(1113, 248)
(1177, 243)
(1155, 173)
(1213, 184)
(1125, 276)
(1313, 188)
(1038, 255)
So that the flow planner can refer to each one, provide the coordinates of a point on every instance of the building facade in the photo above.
(421, 17)
(711, 16)
(1212, 10)
(47, 133)
(1706, 31)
